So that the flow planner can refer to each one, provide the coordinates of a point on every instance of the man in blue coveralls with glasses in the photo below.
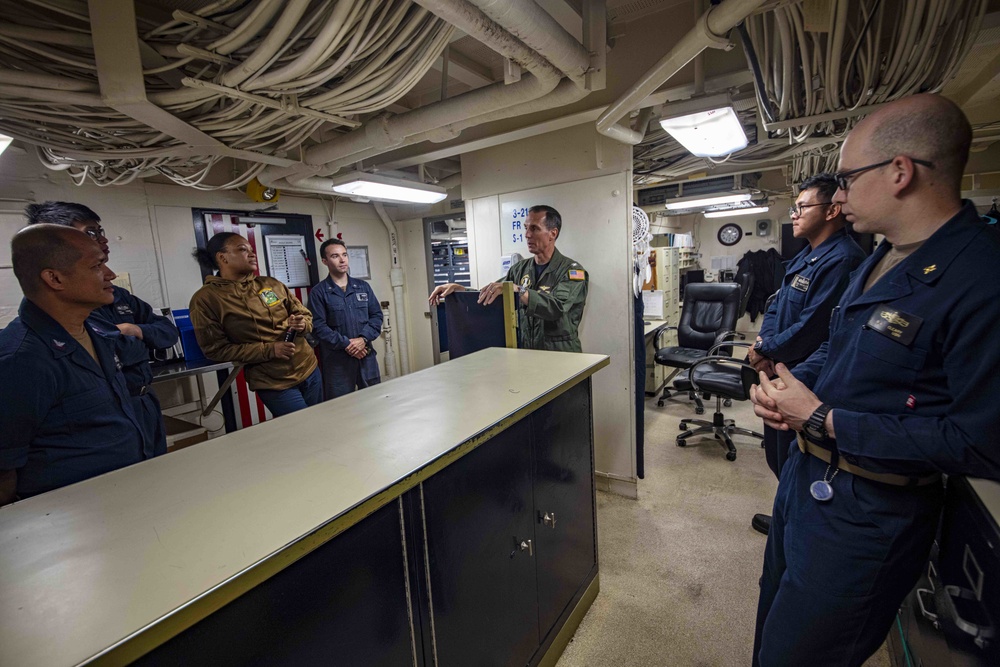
(798, 319)
(904, 390)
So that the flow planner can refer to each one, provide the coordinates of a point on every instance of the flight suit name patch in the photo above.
(800, 283)
(895, 324)
(269, 298)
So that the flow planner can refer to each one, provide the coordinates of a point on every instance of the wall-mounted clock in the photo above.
(730, 234)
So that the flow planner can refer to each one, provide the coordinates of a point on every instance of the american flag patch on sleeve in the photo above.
(577, 274)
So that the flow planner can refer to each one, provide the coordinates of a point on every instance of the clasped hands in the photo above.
(783, 403)
(358, 348)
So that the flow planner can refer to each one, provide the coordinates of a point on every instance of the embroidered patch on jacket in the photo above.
(362, 296)
(544, 288)
(525, 281)
(800, 283)
(123, 309)
(269, 298)
(577, 274)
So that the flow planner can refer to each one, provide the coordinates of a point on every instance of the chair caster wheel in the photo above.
(728, 402)
(659, 404)
(681, 442)
(717, 437)
(762, 444)
(730, 456)
(699, 411)
(683, 426)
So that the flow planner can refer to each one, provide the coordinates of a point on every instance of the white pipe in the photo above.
(707, 32)
(389, 132)
(535, 27)
(396, 277)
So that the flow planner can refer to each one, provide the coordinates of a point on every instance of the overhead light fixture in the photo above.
(386, 188)
(701, 201)
(706, 126)
(736, 211)
(5, 142)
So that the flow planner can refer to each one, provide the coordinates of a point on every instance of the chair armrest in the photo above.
(715, 348)
(656, 336)
(726, 335)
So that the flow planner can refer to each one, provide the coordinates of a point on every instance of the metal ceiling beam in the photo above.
(465, 70)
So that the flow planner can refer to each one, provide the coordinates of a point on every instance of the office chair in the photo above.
(725, 377)
(708, 318)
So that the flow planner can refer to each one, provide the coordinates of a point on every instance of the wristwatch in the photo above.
(814, 429)
(757, 346)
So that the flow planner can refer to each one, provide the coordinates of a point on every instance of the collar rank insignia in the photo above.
(58, 344)
(928, 269)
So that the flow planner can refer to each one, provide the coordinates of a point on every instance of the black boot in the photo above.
(761, 523)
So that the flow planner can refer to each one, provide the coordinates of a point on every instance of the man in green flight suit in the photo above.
(551, 288)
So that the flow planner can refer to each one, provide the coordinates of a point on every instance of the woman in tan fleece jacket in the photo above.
(241, 317)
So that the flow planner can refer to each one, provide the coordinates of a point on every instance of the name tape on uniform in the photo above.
(895, 325)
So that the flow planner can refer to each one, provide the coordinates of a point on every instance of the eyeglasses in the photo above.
(796, 209)
(844, 177)
(95, 233)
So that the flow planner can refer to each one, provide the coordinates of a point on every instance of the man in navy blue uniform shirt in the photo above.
(347, 317)
(142, 329)
(66, 412)
(904, 390)
(798, 319)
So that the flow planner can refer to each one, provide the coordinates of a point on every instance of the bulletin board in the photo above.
(287, 259)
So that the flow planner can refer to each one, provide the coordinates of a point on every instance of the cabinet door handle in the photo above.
(526, 545)
(547, 519)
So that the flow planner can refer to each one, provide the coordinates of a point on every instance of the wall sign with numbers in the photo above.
(512, 218)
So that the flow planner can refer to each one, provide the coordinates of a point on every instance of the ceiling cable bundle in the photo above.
(260, 76)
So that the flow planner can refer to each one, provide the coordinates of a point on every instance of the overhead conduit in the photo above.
(447, 118)
(710, 31)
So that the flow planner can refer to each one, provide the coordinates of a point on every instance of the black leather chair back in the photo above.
(709, 309)
(746, 282)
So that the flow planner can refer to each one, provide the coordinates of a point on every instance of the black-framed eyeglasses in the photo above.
(844, 178)
(95, 233)
(796, 209)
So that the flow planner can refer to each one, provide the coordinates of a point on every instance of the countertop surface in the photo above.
(86, 566)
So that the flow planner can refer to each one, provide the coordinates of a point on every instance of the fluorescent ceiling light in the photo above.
(387, 188)
(707, 126)
(736, 211)
(682, 203)
(4, 142)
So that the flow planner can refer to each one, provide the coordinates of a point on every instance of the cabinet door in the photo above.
(566, 551)
(482, 585)
(343, 604)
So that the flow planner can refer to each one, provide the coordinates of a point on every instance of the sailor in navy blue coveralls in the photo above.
(904, 390)
(338, 316)
(65, 417)
(158, 333)
(797, 321)
(835, 572)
